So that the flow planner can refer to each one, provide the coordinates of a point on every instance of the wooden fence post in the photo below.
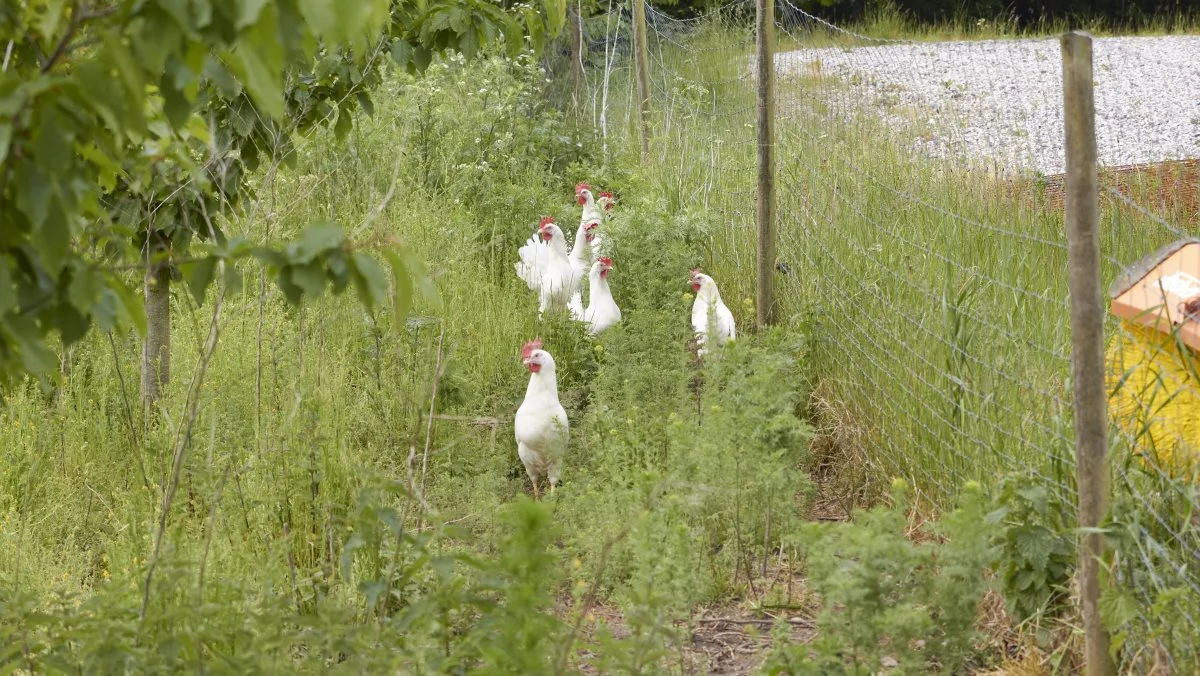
(765, 213)
(641, 64)
(1087, 334)
(575, 21)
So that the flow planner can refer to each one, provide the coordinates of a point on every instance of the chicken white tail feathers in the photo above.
(575, 305)
(535, 257)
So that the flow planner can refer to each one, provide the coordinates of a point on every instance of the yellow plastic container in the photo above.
(1154, 359)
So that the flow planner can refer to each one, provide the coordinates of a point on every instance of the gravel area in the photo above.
(1002, 99)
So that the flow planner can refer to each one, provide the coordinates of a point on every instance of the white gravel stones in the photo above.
(1001, 100)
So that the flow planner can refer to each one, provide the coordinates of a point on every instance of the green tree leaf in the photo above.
(369, 280)
(403, 290)
(199, 275)
(317, 239)
(248, 12)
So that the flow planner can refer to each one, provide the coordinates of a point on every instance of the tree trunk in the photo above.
(156, 351)
(575, 19)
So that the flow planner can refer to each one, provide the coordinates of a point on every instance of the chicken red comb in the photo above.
(696, 271)
(546, 220)
(607, 194)
(530, 347)
(606, 260)
(580, 187)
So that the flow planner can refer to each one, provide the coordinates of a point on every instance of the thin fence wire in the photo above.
(920, 223)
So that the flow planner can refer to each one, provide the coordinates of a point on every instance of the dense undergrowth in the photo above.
(350, 498)
(323, 519)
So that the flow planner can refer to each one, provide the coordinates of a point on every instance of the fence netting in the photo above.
(920, 216)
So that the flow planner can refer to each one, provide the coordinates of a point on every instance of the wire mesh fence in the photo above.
(920, 217)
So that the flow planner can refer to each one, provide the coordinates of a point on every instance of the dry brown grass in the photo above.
(1169, 189)
(846, 475)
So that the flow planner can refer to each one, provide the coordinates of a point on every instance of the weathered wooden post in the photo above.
(641, 64)
(765, 213)
(1087, 335)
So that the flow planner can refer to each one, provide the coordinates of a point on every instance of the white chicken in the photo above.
(580, 254)
(593, 215)
(602, 311)
(709, 312)
(593, 212)
(546, 268)
(541, 424)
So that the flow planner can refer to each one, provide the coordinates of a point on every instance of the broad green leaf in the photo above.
(345, 122)
(158, 39)
(106, 309)
(339, 270)
(199, 275)
(35, 356)
(556, 15)
(175, 105)
(264, 86)
(33, 193)
(85, 288)
(359, 18)
(401, 52)
(310, 278)
(248, 12)
(365, 102)
(129, 73)
(321, 16)
(316, 240)
(178, 9)
(369, 280)
(133, 309)
(270, 257)
(403, 292)
(5, 139)
(458, 20)
(52, 146)
(107, 169)
(537, 31)
(51, 18)
(421, 56)
(8, 295)
(514, 37)
(291, 291)
(216, 73)
(107, 101)
(71, 323)
(232, 278)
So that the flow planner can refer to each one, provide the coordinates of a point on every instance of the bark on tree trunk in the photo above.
(156, 351)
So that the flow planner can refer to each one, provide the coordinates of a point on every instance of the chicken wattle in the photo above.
(542, 428)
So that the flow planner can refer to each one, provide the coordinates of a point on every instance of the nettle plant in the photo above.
(129, 129)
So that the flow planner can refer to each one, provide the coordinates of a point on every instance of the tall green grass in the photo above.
(350, 496)
(937, 301)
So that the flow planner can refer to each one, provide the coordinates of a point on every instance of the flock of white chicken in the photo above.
(556, 274)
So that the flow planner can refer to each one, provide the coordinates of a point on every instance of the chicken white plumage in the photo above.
(709, 313)
(583, 253)
(542, 428)
(602, 311)
(546, 268)
(580, 254)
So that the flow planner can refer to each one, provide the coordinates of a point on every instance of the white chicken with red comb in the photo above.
(711, 319)
(546, 268)
(542, 429)
(602, 311)
(587, 239)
